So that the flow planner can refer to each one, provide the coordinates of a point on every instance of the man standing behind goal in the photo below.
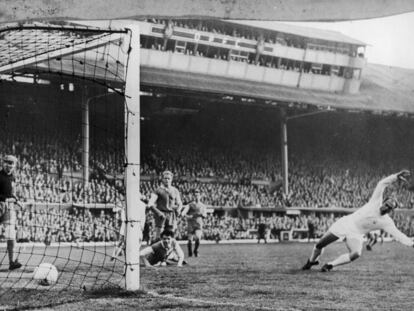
(196, 211)
(166, 204)
(7, 211)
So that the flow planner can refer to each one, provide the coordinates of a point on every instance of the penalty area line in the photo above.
(216, 303)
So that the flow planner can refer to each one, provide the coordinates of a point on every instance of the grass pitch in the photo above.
(247, 277)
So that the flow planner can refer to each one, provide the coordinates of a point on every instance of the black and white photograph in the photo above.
(206, 155)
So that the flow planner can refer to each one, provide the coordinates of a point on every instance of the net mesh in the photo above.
(62, 116)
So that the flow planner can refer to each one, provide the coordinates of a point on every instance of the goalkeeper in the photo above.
(352, 228)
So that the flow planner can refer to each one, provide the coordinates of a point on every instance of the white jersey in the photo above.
(368, 218)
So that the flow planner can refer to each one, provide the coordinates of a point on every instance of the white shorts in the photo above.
(10, 232)
(346, 228)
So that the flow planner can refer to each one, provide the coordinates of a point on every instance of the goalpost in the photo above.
(135, 216)
(95, 67)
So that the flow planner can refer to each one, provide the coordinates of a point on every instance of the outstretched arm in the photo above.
(398, 235)
(384, 183)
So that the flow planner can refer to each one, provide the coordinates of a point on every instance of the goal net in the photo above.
(69, 113)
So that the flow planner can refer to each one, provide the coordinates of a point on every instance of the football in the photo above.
(45, 274)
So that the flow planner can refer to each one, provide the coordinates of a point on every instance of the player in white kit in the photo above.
(352, 228)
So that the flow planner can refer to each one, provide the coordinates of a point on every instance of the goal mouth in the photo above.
(66, 117)
(66, 49)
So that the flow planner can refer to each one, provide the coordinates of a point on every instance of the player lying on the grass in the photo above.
(164, 252)
(372, 216)
(7, 208)
(195, 211)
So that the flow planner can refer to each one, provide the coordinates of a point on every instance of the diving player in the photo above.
(372, 216)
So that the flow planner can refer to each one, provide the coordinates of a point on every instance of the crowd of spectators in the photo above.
(49, 224)
(53, 224)
(233, 159)
(236, 171)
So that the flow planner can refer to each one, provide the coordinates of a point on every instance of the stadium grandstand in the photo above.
(219, 100)
(180, 97)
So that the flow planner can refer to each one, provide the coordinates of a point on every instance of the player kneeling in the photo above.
(166, 251)
(352, 228)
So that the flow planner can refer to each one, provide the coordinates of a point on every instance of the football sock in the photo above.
(341, 260)
(190, 250)
(10, 250)
(316, 252)
(196, 245)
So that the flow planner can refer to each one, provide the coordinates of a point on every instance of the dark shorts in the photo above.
(170, 220)
(194, 225)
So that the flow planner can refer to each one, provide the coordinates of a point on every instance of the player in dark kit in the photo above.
(262, 232)
(195, 211)
(7, 211)
(311, 229)
(166, 204)
(165, 251)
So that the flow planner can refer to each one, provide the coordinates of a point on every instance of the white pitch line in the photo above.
(215, 303)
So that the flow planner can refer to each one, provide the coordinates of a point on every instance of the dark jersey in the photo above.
(196, 210)
(195, 214)
(160, 252)
(311, 227)
(168, 199)
(261, 229)
(7, 215)
(6, 186)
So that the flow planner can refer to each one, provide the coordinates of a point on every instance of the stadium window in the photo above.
(152, 42)
(212, 52)
(348, 73)
(306, 67)
(335, 70)
(361, 51)
(238, 55)
(202, 49)
(144, 41)
(191, 48)
(316, 68)
(169, 45)
(326, 69)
